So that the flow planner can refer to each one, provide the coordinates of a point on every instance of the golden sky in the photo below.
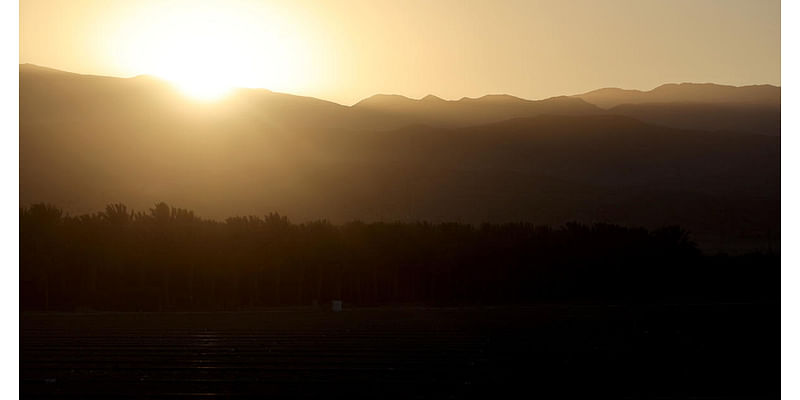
(350, 49)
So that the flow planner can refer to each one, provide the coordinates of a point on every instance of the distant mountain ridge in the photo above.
(686, 93)
(86, 141)
(434, 111)
(747, 109)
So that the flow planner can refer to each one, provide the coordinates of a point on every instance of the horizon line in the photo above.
(430, 95)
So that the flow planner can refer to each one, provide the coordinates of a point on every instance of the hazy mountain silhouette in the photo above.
(434, 111)
(751, 109)
(766, 95)
(746, 109)
(88, 141)
(732, 117)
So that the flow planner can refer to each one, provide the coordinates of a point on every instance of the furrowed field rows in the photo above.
(400, 353)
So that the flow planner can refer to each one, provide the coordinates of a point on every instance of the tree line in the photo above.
(170, 259)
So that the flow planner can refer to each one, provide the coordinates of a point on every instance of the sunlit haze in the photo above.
(397, 198)
(347, 50)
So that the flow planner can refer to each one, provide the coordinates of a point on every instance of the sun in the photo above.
(200, 65)
(208, 48)
(199, 55)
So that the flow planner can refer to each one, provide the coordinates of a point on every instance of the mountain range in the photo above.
(705, 156)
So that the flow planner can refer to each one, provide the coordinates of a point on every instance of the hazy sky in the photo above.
(347, 50)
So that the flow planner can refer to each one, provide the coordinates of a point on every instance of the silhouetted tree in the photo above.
(168, 258)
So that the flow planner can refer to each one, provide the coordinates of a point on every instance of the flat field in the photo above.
(548, 351)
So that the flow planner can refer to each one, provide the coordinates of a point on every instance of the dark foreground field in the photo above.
(701, 351)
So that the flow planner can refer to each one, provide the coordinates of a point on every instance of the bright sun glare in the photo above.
(207, 50)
